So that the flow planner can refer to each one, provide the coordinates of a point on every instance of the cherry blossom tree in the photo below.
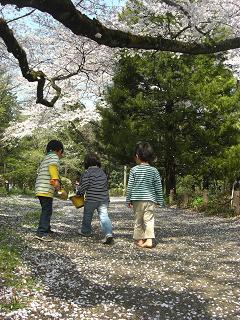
(184, 26)
(78, 64)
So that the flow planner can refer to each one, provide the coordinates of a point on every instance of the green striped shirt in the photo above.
(43, 185)
(144, 183)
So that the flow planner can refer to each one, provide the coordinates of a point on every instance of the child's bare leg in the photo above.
(148, 243)
(139, 242)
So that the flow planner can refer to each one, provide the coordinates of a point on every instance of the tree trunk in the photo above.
(124, 180)
(170, 150)
(170, 175)
(205, 196)
(171, 197)
(236, 202)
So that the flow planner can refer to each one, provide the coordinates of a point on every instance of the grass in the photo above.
(31, 218)
(11, 246)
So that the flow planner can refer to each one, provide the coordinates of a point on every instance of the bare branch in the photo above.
(25, 15)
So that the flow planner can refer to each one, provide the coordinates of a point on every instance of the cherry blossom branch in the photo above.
(177, 6)
(30, 74)
(66, 13)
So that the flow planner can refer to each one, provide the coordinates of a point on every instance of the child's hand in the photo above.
(56, 184)
(78, 193)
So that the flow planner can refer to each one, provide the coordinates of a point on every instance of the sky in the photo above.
(115, 2)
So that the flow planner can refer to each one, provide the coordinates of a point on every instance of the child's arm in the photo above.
(84, 183)
(158, 189)
(129, 188)
(53, 171)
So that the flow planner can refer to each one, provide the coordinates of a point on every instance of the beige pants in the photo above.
(144, 220)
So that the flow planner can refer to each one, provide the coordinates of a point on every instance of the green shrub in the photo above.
(3, 192)
(17, 191)
(219, 204)
(116, 192)
(186, 184)
(28, 192)
(66, 184)
(197, 202)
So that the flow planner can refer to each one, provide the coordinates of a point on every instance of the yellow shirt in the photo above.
(48, 170)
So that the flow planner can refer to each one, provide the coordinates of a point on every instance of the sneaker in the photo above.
(108, 240)
(52, 233)
(84, 234)
(44, 237)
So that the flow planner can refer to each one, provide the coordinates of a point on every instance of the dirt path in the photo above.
(193, 273)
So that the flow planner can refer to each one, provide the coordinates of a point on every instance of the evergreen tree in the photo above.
(187, 107)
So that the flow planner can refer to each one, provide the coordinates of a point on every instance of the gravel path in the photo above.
(192, 273)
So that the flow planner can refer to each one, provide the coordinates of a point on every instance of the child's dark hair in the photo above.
(92, 159)
(54, 145)
(144, 151)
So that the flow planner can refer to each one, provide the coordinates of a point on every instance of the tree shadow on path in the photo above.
(65, 281)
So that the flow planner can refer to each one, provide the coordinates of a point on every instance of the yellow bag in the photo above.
(78, 201)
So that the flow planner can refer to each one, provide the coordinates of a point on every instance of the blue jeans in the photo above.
(102, 209)
(45, 217)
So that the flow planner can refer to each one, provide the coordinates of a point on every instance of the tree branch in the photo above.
(66, 13)
(177, 6)
(23, 16)
(31, 75)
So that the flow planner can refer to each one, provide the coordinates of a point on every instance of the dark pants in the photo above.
(45, 217)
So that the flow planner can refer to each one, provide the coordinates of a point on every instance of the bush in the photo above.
(197, 203)
(219, 204)
(67, 184)
(116, 192)
(187, 184)
(19, 191)
(3, 192)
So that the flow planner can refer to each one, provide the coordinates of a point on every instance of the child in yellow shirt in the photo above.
(46, 183)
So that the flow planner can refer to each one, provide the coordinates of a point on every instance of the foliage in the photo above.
(187, 184)
(67, 184)
(23, 156)
(3, 192)
(8, 102)
(218, 203)
(197, 203)
(187, 107)
(8, 109)
(117, 191)
(61, 56)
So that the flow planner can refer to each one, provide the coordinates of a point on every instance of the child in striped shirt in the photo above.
(48, 171)
(94, 185)
(144, 191)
